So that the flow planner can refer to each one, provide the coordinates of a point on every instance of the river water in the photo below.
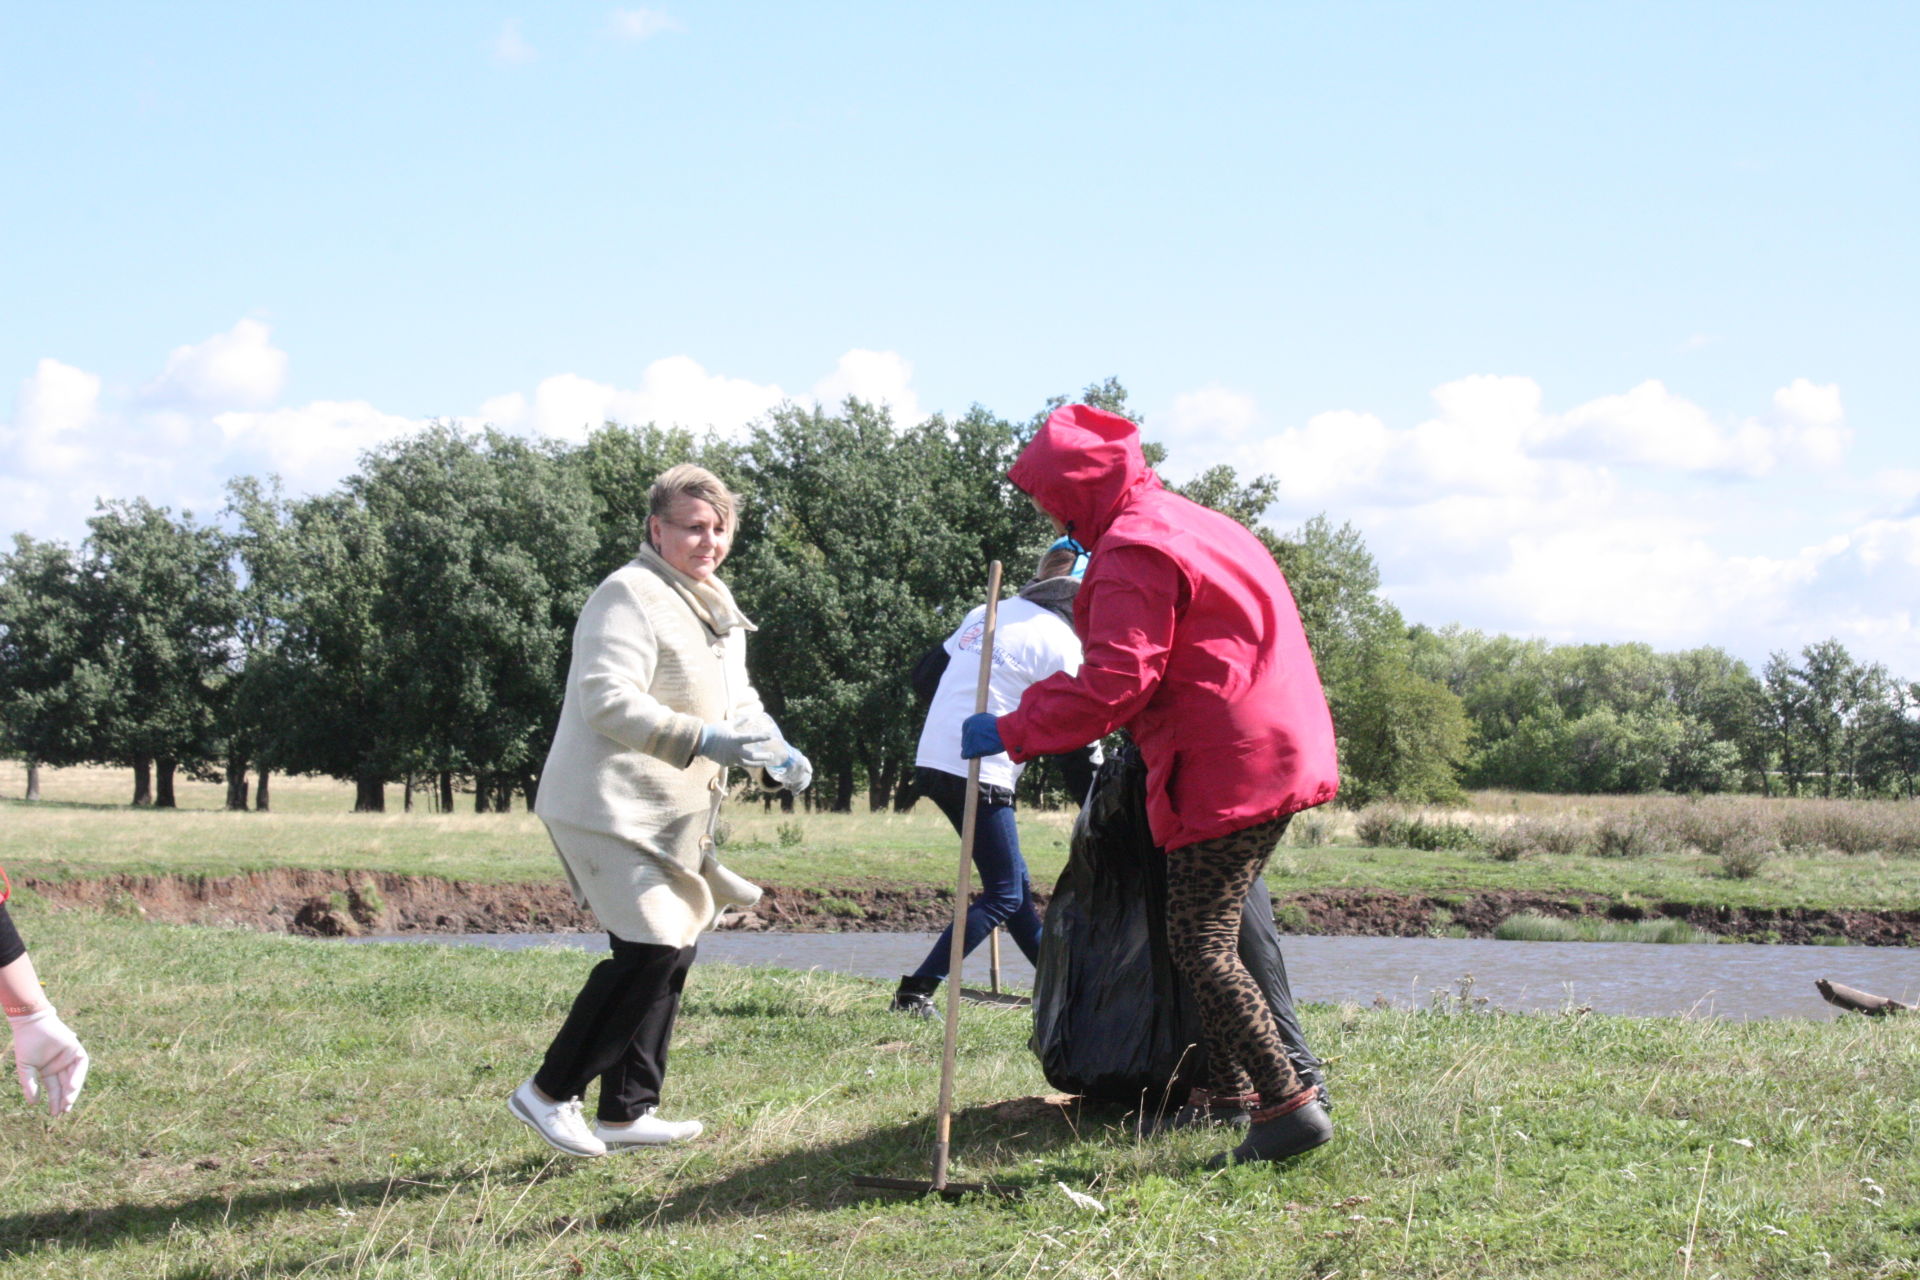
(1730, 980)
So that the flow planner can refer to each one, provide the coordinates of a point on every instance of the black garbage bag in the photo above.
(1112, 1019)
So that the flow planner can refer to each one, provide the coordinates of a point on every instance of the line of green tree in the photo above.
(413, 626)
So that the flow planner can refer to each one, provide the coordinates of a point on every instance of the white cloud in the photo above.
(238, 369)
(1813, 426)
(675, 391)
(877, 377)
(678, 391)
(1338, 452)
(52, 413)
(1479, 442)
(1899, 486)
(58, 397)
(1803, 402)
(1213, 413)
(1638, 515)
(507, 411)
(206, 417)
(1492, 435)
(641, 24)
(310, 447)
(1651, 426)
(510, 47)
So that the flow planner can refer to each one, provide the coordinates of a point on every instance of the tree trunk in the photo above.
(33, 779)
(907, 792)
(369, 794)
(530, 788)
(446, 791)
(843, 788)
(880, 786)
(260, 792)
(142, 782)
(406, 804)
(502, 793)
(163, 784)
(237, 782)
(482, 791)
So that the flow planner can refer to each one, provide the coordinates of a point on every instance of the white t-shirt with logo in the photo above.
(1030, 643)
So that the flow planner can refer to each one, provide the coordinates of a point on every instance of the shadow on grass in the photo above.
(109, 1227)
(802, 1180)
(817, 1179)
(90, 806)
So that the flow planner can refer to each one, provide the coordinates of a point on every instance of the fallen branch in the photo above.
(1861, 1001)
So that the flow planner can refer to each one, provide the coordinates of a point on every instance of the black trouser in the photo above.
(618, 1030)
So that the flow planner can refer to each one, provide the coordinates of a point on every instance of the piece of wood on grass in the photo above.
(1858, 1001)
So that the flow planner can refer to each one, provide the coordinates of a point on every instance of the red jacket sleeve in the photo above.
(1130, 605)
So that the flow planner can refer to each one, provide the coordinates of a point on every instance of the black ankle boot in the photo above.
(915, 996)
(1282, 1132)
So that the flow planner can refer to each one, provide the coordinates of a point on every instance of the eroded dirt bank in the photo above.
(325, 903)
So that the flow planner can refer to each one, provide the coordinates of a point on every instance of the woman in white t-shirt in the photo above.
(1033, 639)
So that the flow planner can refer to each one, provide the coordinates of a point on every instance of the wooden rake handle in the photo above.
(970, 813)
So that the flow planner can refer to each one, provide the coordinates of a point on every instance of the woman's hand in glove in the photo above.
(48, 1056)
(796, 774)
(980, 736)
(729, 746)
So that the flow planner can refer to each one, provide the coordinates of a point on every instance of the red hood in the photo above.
(1082, 467)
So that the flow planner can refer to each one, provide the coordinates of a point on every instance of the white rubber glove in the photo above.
(796, 774)
(730, 746)
(48, 1056)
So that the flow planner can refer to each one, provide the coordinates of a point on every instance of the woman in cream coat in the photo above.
(658, 707)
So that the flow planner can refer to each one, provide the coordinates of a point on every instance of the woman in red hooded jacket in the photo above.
(1193, 644)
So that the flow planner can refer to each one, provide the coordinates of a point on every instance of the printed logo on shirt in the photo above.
(969, 642)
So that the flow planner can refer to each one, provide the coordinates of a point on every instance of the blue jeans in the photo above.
(1006, 895)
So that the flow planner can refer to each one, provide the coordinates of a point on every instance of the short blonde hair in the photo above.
(690, 481)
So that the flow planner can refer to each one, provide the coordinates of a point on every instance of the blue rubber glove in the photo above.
(796, 774)
(733, 747)
(980, 736)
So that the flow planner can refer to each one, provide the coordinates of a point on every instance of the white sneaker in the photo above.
(559, 1124)
(649, 1130)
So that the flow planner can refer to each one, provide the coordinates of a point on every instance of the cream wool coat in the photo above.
(656, 656)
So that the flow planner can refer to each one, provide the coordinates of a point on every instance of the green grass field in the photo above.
(273, 1107)
(83, 826)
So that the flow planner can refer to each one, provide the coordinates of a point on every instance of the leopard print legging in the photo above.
(1206, 884)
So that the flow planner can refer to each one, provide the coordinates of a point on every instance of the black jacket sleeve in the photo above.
(11, 948)
(1077, 770)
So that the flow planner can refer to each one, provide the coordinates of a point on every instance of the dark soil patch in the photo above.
(329, 903)
(1372, 913)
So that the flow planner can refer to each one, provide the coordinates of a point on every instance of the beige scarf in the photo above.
(710, 601)
(713, 604)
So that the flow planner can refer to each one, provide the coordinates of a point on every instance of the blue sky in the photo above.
(1597, 320)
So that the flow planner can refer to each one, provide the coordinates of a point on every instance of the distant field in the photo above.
(84, 826)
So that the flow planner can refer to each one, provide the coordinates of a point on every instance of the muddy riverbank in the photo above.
(326, 903)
